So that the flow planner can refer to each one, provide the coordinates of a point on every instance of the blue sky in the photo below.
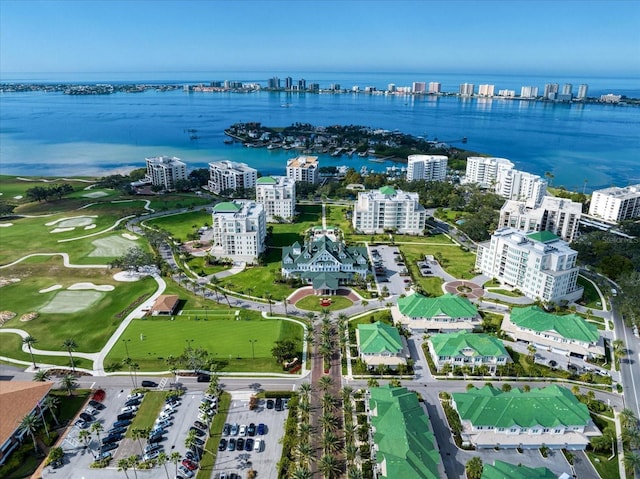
(519, 36)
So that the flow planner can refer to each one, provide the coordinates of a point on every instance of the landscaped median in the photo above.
(215, 433)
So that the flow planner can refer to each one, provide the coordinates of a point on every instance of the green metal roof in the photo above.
(227, 207)
(550, 406)
(325, 281)
(387, 190)
(543, 236)
(506, 470)
(449, 305)
(266, 180)
(570, 326)
(379, 338)
(403, 435)
(467, 344)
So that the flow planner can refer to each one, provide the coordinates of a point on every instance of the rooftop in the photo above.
(17, 399)
(266, 180)
(379, 338)
(227, 207)
(543, 237)
(570, 326)
(502, 470)
(303, 162)
(463, 343)
(449, 305)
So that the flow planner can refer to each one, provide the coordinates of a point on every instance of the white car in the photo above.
(151, 455)
(91, 411)
(162, 423)
(129, 409)
(185, 472)
(243, 430)
(257, 445)
(134, 396)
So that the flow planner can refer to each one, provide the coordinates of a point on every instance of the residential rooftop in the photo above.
(506, 470)
(570, 326)
(467, 344)
(379, 338)
(449, 305)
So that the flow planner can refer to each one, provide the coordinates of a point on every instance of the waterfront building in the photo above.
(502, 470)
(427, 167)
(466, 89)
(442, 314)
(550, 416)
(325, 263)
(529, 92)
(551, 91)
(239, 230)
(583, 89)
(387, 209)
(567, 89)
(610, 98)
(278, 196)
(465, 349)
(381, 344)
(391, 87)
(403, 442)
(435, 87)
(419, 87)
(165, 171)
(304, 169)
(288, 83)
(520, 185)
(560, 216)
(569, 335)
(230, 175)
(302, 84)
(507, 93)
(274, 83)
(486, 90)
(484, 171)
(616, 204)
(540, 265)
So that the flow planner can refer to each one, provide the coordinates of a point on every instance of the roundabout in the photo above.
(464, 288)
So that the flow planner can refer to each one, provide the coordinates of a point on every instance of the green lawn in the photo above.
(176, 201)
(199, 265)
(608, 469)
(457, 262)
(590, 297)
(288, 233)
(151, 341)
(505, 292)
(179, 226)
(149, 410)
(312, 303)
(211, 448)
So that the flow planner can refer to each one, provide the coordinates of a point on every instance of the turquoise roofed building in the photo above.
(506, 470)
(403, 442)
(467, 349)
(379, 343)
(277, 194)
(239, 230)
(388, 209)
(551, 415)
(447, 313)
(569, 334)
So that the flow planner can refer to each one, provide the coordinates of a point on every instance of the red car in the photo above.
(192, 466)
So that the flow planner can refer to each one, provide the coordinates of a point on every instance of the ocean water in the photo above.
(57, 134)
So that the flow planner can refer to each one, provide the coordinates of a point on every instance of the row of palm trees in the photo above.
(67, 382)
(630, 441)
(133, 463)
(69, 344)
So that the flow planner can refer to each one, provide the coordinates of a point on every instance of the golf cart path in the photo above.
(23, 334)
(65, 260)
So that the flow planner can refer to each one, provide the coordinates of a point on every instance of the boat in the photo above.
(228, 141)
(194, 137)
(362, 154)
(376, 160)
(464, 139)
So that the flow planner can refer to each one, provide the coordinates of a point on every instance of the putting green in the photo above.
(71, 301)
(111, 246)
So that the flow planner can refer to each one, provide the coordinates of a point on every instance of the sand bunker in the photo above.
(51, 288)
(18, 197)
(72, 301)
(6, 316)
(129, 236)
(127, 276)
(96, 194)
(29, 316)
(82, 286)
(5, 225)
(6, 281)
(111, 246)
(72, 221)
(90, 227)
(61, 230)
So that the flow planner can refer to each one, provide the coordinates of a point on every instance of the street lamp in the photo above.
(253, 352)
(126, 346)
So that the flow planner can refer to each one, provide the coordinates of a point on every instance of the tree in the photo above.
(30, 341)
(372, 383)
(283, 349)
(123, 465)
(97, 428)
(85, 436)
(41, 375)
(51, 402)
(474, 468)
(162, 461)
(628, 419)
(69, 383)
(329, 422)
(70, 345)
(305, 391)
(631, 436)
(191, 441)
(30, 424)
(632, 462)
(138, 434)
(354, 473)
(325, 382)
(175, 458)
(351, 452)
(395, 383)
(133, 463)
(330, 442)
(304, 451)
(329, 466)
(301, 472)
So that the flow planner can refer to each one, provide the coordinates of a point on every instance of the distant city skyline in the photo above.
(538, 37)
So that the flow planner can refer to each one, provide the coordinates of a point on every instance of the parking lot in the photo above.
(388, 265)
(263, 462)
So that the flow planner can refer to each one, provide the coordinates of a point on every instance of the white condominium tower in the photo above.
(427, 167)
(229, 175)
(239, 230)
(484, 171)
(616, 204)
(435, 87)
(303, 168)
(583, 89)
(529, 92)
(466, 89)
(388, 209)
(278, 196)
(559, 216)
(522, 186)
(486, 90)
(540, 265)
(164, 171)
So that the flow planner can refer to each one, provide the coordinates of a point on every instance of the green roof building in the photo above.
(239, 230)
(569, 334)
(403, 442)
(388, 209)
(506, 470)
(379, 343)
(467, 349)
(447, 313)
(550, 415)
(278, 196)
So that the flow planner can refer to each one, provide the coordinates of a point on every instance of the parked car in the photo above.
(124, 415)
(189, 464)
(234, 429)
(240, 444)
(108, 447)
(232, 445)
(149, 384)
(226, 429)
(223, 444)
(243, 430)
(152, 447)
(156, 430)
(257, 446)
(203, 378)
(279, 404)
(127, 409)
(117, 430)
(122, 423)
(192, 455)
(198, 441)
(162, 423)
(248, 444)
(90, 410)
(201, 425)
(251, 429)
(135, 395)
(262, 429)
(112, 438)
(196, 431)
(156, 438)
(150, 456)
(81, 423)
(103, 456)
(185, 472)
(269, 403)
(132, 402)
(86, 417)
(96, 405)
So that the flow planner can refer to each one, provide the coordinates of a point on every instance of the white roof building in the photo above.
(303, 168)
(484, 171)
(522, 186)
(616, 204)
(388, 209)
(164, 171)
(230, 175)
(278, 196)
(540, 265)
(239, 230)
(427, 167)
(560, 216)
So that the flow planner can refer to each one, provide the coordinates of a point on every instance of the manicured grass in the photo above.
(382, 316)
(181, 225)
(199, 265)
(505, 292)
(452, 216)
(211, 447)
(226, 340)
(456, 262)
(177, 201)
(11, 347)
(590, 297)
(69, 406)
(148, 412)
(606, 468)
(312, 303)
(432, 284)
(288, 233)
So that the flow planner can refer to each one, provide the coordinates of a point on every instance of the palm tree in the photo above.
(52, 403)
(351, 452)
(632, 462)
(372, 383)
(30, 341)
(301, 473)
(329, 421)
(325, 382)
(329, 466)
(308, 337)
(631, 436)
(305, 430)
(346, 393)
(85, 436)
(628, 419)
(190, 441)
(354, 473)
(304, 408)
(162, 461)
(305, 391)
(41, 375)
(138, 434)
(123, 465)
(215, 281)
(304, 451)
(30, 423)
(311, 316)
(395, 383)
(328, 402)
(97, 428)
(330, 442)
(70, 345)
(474, 468)
(268, 297)
(69, 383)
(133, 462)
(175, 458)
